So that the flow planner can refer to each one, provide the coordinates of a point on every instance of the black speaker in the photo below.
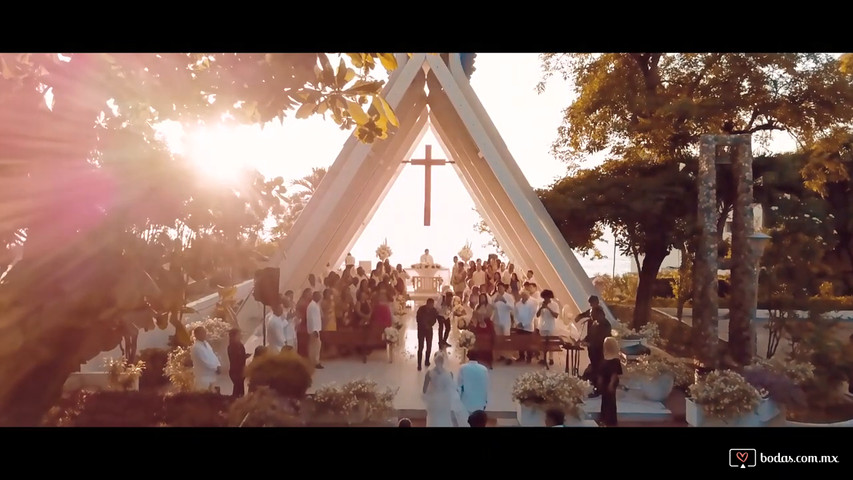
(266, 286)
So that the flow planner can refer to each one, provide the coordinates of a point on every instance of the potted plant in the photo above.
(535, 392)
(287, 373)
(723, 398)
(780, 384)
(656, 375)
(359, 402)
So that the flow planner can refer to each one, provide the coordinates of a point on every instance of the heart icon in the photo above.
(742, 456)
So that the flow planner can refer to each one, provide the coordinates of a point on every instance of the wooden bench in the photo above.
(515, 343)
(362, 340)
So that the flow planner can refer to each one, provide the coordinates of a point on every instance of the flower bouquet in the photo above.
(460, 314)
(466, 341)
(383, 252)
(548, 389)
(426, 266)
(466, 254)
(123, 375)
(725, 395)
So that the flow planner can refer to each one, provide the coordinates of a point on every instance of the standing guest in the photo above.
(474, 384)
(478, 419)
(555, 417)
(457, 280)
(206, 364)
(445, 312)
(514, 286)
(404, 422)
(506, 276)
(597, 330)
(479, 277)
(425, 317)
(548, 313)
(382, 314)
(529, 278)
(237, 362)
(291, 320)
(315, 325)
(275, 328)
(314, 284)
(327, 310)
(608, 378)
(503, 304)
(350, 260)
(360, 274)
(525, 311)
(482, 312)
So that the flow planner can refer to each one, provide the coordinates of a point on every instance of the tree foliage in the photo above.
(113, 224)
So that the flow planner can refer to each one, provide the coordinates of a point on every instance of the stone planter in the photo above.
(696, 418)
(768, 410)
(657, 389)
(532, 415)
(630, 341)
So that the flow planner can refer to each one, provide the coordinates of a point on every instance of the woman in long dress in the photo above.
(444, 407)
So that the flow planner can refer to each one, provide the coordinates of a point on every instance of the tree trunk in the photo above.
(648, 274)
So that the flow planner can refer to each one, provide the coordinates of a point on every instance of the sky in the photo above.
(527, 121)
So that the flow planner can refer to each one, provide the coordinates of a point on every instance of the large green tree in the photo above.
(651, 108)
(112, 223)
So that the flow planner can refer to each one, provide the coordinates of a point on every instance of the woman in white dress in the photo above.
(444, 407)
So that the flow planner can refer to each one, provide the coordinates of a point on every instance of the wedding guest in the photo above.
(525, 311)
(479, 277)
(482, 316)
(426, 258)
(478, 419)
(507, 274)
(474, 298)
(275, 328)
(386, 267)
(608, 378)
(291, 320)
(237, 362)
(457, 280)
(598, 329)
(402, 273)
(474, 383)
(327, 310)
(313, 284)
(555, 417)
(548, 313)
(382, 314)
(503, 305)
(315, 325)
(445, 312)
(360, 274)
(426, 317)
(350, 260)
(529, 278)
(514, 286)
(206, 365)
(404, 422)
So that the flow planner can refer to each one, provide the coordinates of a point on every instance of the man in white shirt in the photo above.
(426, 258)
(290, 321)
(529, 278)
(474, 384)
(525, 312)
(315, 324)
(479, 277)
(503, 306)
(206, 365)
(350, 260)
(506, 276)
(275, 329)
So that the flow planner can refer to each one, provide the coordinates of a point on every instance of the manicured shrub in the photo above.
(287, 373)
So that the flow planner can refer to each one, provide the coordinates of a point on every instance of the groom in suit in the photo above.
(474, 384)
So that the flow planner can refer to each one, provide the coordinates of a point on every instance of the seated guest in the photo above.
(404, 422)
(478, 419)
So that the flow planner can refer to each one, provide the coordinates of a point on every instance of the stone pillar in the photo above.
(743, 289)
(705, 303)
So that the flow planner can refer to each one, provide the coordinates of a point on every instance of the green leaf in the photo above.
(389, 61)
(305, 110)
(357, 113)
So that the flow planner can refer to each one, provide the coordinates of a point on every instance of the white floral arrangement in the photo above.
(384, 252)
(391, 335)
(725, 394)
(798, 372)
(331, 399)
(217, 330)
(459, 314)
(400, 305)
(123, 374)
(548, 389)
(650, 332)
(654, 365)
(424, 266)
(179, 369)
(466, 339)
(466, 253)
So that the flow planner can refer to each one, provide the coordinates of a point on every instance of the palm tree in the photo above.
(309, 183)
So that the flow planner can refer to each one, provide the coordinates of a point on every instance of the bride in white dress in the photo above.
(444, 406)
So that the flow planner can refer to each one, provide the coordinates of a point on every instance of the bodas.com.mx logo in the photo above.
(743, 457)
